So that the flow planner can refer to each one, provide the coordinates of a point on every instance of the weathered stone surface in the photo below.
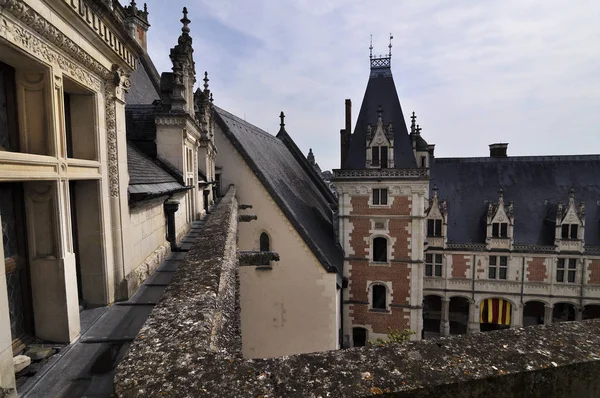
(38, 352)
(190, 347)
(21, 362)
(256, 257)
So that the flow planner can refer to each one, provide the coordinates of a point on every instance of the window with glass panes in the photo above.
(380, 196)
(569, 231)
(500, 230)
(566, 270)
(434, 227)
(498, 267)
(433, 264)
(379, 156)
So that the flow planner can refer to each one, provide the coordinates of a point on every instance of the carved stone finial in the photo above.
(206, 80)
(371, 48)
(282, 117)
(379, 113)
(418, 130)
(133, 5)
(390, 46)
(435, 191)
(185, 21)
(146, 9)
(211, 98)
(413, 122)
(572, 193)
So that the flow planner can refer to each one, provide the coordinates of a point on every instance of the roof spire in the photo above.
(379, 114)
(418, 130)
(413, 123)
(145, 8)
(206, 80)
(435, 191)
(371, 48)
(133, 5)
(390, 46)
(572, 193)
(282, 117)
(185, 21)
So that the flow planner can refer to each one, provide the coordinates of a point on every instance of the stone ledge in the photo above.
(190, 347)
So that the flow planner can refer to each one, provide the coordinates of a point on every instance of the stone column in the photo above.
(445, 319)
(578, 314)
(473, 318)
(7, 374)
(548, 314)
(516, 318)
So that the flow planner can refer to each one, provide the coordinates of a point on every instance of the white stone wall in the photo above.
(294, 307)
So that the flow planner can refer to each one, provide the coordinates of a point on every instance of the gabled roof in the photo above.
(381, 90)
(146, 178)
(288, 183)
(535, 184)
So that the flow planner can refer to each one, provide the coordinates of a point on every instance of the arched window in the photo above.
(379, 297)
(380, 250)
(265, 246)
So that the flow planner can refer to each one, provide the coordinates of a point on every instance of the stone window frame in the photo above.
(572, 229)
(566, 267)
(388, 295)
(434, 265)
(436, 227)
(500, 230)
(389, 245)
(379, 197)
(497, 267)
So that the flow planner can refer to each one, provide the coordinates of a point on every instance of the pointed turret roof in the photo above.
(381, 91)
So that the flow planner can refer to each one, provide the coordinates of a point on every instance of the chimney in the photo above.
(345, 134)
(431, 149)
(136, 22)
(498, 150)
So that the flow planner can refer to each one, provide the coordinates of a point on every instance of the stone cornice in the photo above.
(41, 26)
(347, 174)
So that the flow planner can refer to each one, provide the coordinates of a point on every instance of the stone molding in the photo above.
(114, 89)
(381, 173)
(36, 46)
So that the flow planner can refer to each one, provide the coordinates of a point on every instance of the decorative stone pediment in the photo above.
(571, 213)
(500, 224)
(500, 212)
(436, 208)
(570, 219)
(382, 135)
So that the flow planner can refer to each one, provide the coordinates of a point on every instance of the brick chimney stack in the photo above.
(345, 133)
(498, 150)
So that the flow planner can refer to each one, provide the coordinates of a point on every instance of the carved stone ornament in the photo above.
(36, 46)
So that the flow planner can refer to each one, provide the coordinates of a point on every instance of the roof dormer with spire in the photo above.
(380, 99)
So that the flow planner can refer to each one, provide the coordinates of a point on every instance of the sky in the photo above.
(475, 72)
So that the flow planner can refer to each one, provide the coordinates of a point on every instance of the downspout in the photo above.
(581, 287)
(473, 280)
(522, 279)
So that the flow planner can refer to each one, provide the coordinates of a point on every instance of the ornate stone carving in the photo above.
(25, 39)
(111, 137)
(381, 173)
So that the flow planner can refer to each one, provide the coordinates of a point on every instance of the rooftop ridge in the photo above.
(255, 129)
(485, 159)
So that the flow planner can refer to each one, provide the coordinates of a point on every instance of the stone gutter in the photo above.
(190, 347)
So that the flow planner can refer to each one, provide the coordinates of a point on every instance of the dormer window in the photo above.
(434, 227)
(569, 231)
(379, 156)
(500, 230)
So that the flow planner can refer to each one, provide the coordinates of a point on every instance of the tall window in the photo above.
(379, 156)
(380, 196)
(434, 227)
(498, 266)
(380, 250)
(265, 246)
(566, 269)
(569, 231)
(379, 297)
(500, 230)
(433, 264)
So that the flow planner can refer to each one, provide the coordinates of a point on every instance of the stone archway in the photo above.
(563, 312)
(534, 313)
(432, 316)
(458, 315)
(591, 311)
(495, 314)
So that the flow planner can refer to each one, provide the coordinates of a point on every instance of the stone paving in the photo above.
(86, 367)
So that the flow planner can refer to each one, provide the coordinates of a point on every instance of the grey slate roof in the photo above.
(381, 90)
(288, 183)
(534, 183)
(143, 88)
(146, 178)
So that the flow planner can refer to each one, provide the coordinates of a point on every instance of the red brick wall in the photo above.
(536, 270)
(594, 267)
(361, 272)
(460, 266)
(401, 205)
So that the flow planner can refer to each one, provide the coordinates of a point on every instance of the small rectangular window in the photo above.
(384, 156)
(565, 231)
(375, 156)
(572, 270)
(430, 227)
(423, 161)
(498, 267)
(380, 196)
(573, 231)
(438, 265)
(384, 195)
(504, 230)
(495, 230)
(560, 270)
(438, 227)
(375, 196)
(433, 264)
(429, 265)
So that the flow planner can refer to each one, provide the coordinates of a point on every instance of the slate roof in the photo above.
(146, 178)
(144, 86)
(288, 183)
(535, 184)
(381, 90)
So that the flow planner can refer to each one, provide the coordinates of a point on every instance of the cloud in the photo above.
(523, 72)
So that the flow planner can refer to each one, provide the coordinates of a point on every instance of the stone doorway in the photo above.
(563, 312)
(458, 315)
(14, 239)
(432, 315)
